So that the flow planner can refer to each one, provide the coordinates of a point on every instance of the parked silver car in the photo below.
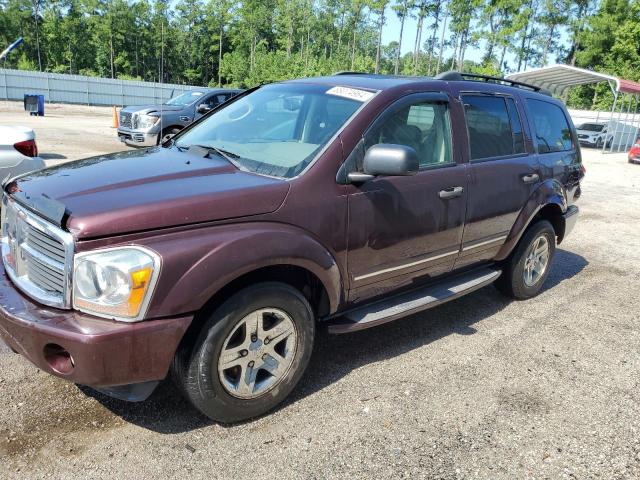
(18, 151)
(147, 125)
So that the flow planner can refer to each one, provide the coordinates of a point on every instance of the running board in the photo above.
(413, 301)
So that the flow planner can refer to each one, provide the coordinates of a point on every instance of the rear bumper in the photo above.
(84, 349)
(570, 219)
(137, 139)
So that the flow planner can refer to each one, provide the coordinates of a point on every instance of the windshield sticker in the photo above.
(351, 93)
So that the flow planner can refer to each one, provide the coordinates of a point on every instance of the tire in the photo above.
(216, 385)
(517, 280)
(166, 134)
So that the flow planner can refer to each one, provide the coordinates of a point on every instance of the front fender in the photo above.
(200, 262)
(549, 192)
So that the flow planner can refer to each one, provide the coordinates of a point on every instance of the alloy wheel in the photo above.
(258, 353)
(536, 261)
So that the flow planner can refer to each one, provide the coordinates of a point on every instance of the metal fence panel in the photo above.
(63, 88)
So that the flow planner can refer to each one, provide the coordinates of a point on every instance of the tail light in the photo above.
(583, 169)
(28, 148)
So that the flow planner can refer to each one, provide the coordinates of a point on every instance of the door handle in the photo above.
(533, 178)
(451, 192)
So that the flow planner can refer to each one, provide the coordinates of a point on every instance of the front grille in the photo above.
(125, 119)
(45, 265)
(583, 136)
(37, 255)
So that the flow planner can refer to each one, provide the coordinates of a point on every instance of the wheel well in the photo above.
(171, 127)
(553, 214)
(299, 278)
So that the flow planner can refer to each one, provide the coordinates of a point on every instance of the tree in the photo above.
(403, 9)
(422, 7)
(230, 42)
(554, 15)
(379, 6)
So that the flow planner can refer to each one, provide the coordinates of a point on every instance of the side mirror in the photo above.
(203, 108)
(389, 160)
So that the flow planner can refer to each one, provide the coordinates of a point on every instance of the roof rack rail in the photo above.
(347, 72)
(477, 77)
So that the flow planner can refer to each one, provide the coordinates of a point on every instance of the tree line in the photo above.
(226, 42)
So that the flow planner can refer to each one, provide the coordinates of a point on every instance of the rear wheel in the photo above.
(528, 267)
(250, 354)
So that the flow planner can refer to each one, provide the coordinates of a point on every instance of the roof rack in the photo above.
(477, 77)
(346, 72)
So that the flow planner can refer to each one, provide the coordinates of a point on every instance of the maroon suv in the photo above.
(349, 201)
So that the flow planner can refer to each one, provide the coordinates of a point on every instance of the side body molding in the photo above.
(549, 192)
(198, 265)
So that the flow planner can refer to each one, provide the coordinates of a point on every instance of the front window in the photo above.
(591, 127)
(186, 98)
(423, 126)
(279, 129)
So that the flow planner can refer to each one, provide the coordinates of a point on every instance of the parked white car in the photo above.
(18, 152)
(591, 134)
(594, 134)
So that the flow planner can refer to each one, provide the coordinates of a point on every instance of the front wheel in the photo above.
(250, 354)
(526, 270)
(167, 134)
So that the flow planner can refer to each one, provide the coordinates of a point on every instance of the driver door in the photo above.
(408, 229)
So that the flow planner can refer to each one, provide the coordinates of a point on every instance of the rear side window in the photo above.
(553, 133)
(490, 133)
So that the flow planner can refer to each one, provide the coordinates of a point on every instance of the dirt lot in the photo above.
(482, 387)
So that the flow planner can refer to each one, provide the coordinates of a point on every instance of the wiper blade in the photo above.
(224, 153)
(228, 156)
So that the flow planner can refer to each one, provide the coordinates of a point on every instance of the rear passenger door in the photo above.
(503, 173)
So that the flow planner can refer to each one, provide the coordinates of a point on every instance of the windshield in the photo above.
(278, 129)
(591, 127)
(186, 98)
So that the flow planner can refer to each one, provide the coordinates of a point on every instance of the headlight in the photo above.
(146, 121)
(115, 283)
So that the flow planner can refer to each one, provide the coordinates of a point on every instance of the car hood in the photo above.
(145, 190)
(144, 109)
(587, 132)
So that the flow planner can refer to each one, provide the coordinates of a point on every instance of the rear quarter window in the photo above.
(552, 131)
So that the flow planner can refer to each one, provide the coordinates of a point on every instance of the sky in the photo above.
(391, 32)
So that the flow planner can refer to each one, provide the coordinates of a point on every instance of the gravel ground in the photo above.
(66, 132)
(482, 387)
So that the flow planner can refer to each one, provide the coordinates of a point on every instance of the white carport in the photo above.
(624, 120)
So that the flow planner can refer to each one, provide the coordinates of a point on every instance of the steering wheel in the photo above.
(231, 115)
